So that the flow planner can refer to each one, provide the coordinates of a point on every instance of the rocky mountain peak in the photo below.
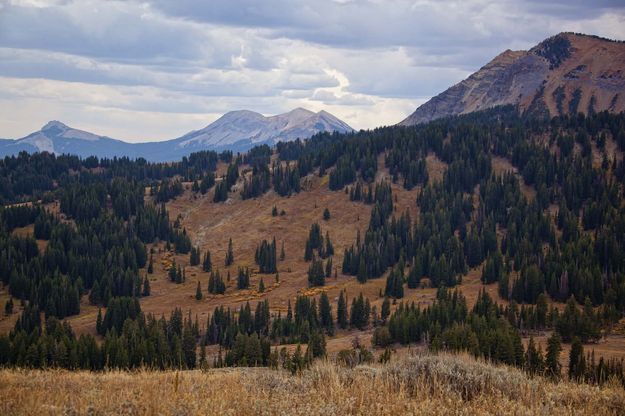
(566, 73)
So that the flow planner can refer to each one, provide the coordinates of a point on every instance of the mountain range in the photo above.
(236, 131)
(566, 73)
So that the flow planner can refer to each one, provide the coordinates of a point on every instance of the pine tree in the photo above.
(326, 214)
(395, 283)
(151, 265)
(534, 363)
(577, 363)
(414, 277)
(146, 287)
(216, 284)
(329, 248)
(229, 254)
(243, 278)
(386, 309)
(316, 345)
(308, 251)
(98, 322)
(207, 265)
(94, 294)
(316, 275)
(329, 268)
(198, 291)
(325, 314)
(362, 271)
(173, 272)
(194, 259)
(188, 346)
(261, 286)
(552, 359)
(265, 257)
(341, 311)
(8, 307)
(282, 254)
(359, 314)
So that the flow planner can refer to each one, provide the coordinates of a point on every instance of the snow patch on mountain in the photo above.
(236, 127)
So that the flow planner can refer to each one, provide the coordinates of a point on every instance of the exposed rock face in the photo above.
(567, 73)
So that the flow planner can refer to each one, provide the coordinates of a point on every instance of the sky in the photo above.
(156, 69)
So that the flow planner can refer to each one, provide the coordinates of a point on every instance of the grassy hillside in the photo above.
(421, 384)
(525, 211)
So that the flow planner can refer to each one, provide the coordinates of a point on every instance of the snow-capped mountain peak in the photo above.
(54, 124)
(243, 129)
(236, 130)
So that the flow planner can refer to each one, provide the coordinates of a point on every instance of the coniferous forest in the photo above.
(556, 258)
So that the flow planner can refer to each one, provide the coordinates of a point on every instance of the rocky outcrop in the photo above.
(567, 73)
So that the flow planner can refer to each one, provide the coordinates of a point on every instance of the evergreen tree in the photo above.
(325, 314)
(151, 265)
(173, 272)
(395, 283)
(316, 274)
(8, 307)
(552, 359)
(415, 275)
(359, 314)
(261, 286)
(329, 247)
(329, 268)
(341, 311)
(243, 278)
(316, 345)
(326, 214)
(188, 346)
(216, 284)
(362, 271)
(386, 309)
(534, 362)
(207, 265)
(198, 291)
(146, 287)
(194, 259)
(229, 254)
(577, 364)
(98, 322)
(265, 257)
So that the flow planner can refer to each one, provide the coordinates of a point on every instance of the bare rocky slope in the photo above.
(567, 73)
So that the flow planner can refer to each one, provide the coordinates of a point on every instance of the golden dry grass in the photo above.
(418, 384)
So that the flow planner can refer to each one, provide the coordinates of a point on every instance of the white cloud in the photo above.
(156, 69)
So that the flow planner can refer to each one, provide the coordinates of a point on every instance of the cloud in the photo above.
(154, 69)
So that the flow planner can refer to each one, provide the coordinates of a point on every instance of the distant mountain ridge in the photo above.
(247, 128)
(236, 131)
(566, 73)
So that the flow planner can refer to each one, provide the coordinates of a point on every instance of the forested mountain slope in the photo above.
(490, 233)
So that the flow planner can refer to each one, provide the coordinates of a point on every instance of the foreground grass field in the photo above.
(421, 384)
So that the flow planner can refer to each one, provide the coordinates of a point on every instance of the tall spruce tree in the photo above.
(229, 254)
